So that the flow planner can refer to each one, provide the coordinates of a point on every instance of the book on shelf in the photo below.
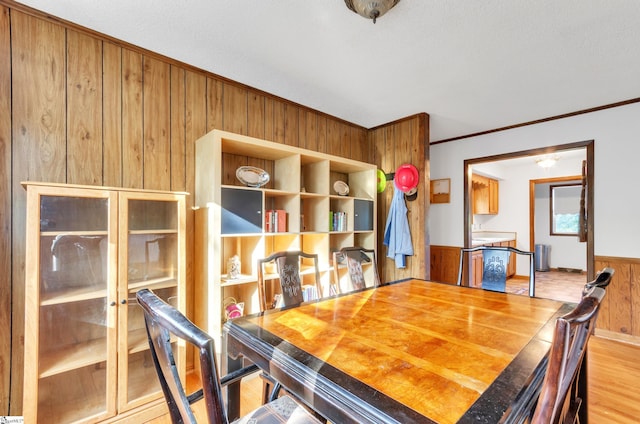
(275, 221)
(337, 221)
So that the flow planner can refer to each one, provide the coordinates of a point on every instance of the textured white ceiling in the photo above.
(472, 65)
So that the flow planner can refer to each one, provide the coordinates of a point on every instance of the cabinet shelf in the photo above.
(138, 340)
(71, 295)
(73, 233)
(152, 283)
(73, 357)
(159, 231)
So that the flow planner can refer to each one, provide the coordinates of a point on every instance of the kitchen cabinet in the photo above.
(89, 250)
(485, 195)
(232, 219)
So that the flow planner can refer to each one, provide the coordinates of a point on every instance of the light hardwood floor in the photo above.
(558, 285)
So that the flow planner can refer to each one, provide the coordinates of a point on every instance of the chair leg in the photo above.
(270, 388)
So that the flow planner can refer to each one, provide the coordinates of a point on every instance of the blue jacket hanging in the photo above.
(397, 236)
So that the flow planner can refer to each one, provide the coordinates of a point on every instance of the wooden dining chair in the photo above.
(494, 266)
(289, 270)
(353, 258)
(559, 400)
(603, 279)
(165, 325)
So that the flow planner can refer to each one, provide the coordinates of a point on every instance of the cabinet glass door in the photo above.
(150, 257)
(71, 355)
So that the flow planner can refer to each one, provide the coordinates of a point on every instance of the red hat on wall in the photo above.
(406, 177)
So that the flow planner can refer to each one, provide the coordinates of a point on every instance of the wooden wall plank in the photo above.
(308, 130)
(156, 124)
(269, 122)
(5, 210)
(38, 98)
(84, 109)
(38, 149)
(634, 301)
(619, 299)
(256, 115)
(620, 308)
(278, 121)
(112, 114)
(344, 136)
(360, 150)
(333, 137)
(177, 128)
(132, 120)
(195, 127)
(234, 104)
(291, 136)
(321, 122)
(214, 104)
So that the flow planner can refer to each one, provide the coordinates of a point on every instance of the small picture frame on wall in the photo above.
(440, 190)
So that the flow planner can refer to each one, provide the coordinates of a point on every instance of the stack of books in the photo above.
(275, 221)
(337, 221)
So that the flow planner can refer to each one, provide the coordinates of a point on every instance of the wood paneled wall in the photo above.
(445, 263)
(405, 141)
(79, 107)
(619, 315)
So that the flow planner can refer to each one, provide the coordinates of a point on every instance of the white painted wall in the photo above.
(564, 251)
(616, 135)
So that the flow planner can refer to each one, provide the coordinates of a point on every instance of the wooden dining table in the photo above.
(412, 351)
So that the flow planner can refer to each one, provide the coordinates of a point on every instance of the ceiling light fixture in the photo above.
(547, 161)
(371, 9)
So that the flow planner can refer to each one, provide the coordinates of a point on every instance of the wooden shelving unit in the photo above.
(301, 184)
(89, 250)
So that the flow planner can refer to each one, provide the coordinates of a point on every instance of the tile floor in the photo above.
(557, 285)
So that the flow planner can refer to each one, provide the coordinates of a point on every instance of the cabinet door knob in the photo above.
(123, 301)
(113, 303)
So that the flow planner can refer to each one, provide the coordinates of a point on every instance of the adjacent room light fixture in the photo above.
(371, 9)
(547, 161)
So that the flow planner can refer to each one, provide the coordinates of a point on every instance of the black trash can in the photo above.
(542, 257)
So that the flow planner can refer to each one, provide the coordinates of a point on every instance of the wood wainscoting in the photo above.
(445, 262)
(619, 316)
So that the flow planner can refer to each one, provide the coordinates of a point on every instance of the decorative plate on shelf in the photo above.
(341, 188)
(252, 176)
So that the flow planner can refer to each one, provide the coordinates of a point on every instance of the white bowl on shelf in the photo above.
(252, 176)
(341, 188)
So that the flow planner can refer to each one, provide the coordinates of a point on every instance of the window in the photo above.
(565, 209)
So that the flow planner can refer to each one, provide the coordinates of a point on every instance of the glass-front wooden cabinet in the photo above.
(89, 250)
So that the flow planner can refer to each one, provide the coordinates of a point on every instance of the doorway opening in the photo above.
(526, 219)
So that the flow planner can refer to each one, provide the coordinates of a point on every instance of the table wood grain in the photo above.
(412, 351)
